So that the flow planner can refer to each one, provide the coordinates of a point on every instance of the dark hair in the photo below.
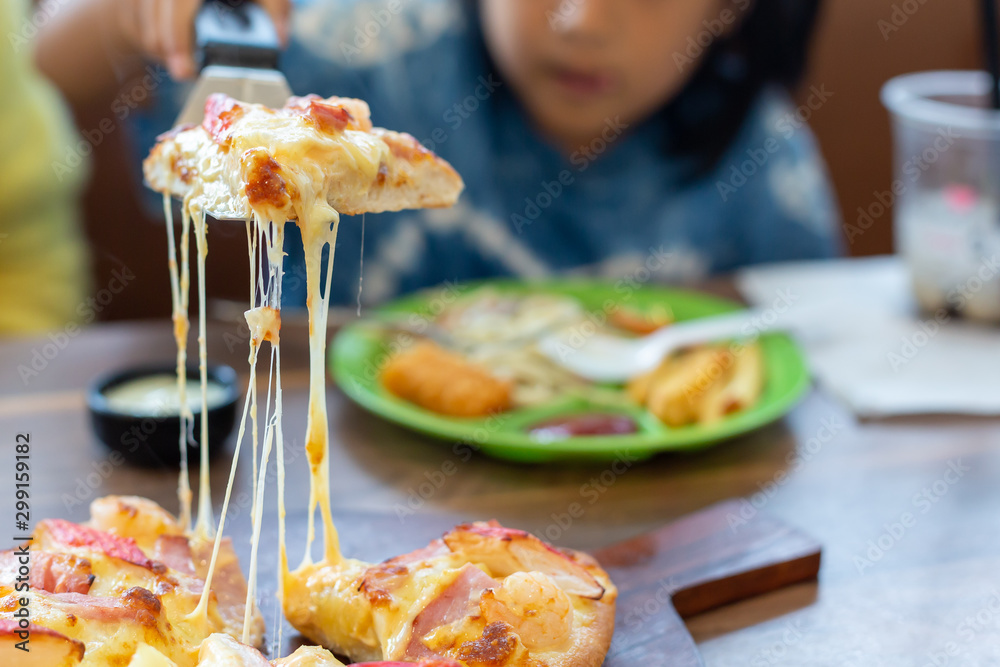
(769, 47)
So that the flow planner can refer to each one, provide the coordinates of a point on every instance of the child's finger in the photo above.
(149, 27)
(177, 21)
(279, 11)
(127, 24)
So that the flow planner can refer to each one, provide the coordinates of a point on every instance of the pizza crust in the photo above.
(282, 164)
(468, 597)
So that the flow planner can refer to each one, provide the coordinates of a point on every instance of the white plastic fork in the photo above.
(604, 358)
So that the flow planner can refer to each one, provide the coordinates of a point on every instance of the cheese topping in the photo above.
(304, 163)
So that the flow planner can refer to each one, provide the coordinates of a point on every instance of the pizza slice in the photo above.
(482, 595)
(129, 576)
(300, 162)
(124, 589)
(308, 162)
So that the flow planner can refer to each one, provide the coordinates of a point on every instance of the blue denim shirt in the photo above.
(529, 210)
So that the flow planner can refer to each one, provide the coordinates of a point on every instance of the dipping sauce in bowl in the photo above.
(575, 426)
(158, 396)
(136, 413)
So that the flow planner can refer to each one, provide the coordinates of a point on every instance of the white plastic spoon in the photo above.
(604, 358)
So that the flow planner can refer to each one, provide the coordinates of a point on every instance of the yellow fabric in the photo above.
(43, 261)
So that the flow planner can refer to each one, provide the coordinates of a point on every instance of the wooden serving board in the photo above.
(695, 564)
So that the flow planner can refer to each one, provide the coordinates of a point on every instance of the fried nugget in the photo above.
(444, 382)
(639, 322)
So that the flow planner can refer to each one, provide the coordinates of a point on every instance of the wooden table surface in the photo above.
(908, 510)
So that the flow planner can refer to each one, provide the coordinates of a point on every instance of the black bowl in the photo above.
(153, 441)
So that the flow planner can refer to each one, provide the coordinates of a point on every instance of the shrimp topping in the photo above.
(540, 613)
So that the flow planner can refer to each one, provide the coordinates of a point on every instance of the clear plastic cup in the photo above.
(946, 190)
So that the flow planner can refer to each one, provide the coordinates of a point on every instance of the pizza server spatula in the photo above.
(237, 51)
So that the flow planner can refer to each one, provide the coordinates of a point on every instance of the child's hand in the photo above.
(163, 29)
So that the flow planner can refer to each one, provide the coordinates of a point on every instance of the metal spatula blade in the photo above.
(238, 47)
(268, 87)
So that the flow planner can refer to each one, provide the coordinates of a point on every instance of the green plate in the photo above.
(359, 352)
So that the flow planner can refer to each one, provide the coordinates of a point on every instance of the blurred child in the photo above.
(621, 138)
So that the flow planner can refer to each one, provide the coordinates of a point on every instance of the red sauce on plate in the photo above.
(582, 426)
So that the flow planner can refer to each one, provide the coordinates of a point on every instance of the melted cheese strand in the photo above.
(254, 346)
(250, 401)
(205, 527)
(184, 309)
(273, 429)
(202, 609)
(276, 267)
(258, 504)
(315, 237)
(312, 246)
(181, 325)
(331, 553)
(282, 549)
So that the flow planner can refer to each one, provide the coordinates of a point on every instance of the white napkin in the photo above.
(868, 344)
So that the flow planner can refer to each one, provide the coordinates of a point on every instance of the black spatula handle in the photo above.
(236, 33)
